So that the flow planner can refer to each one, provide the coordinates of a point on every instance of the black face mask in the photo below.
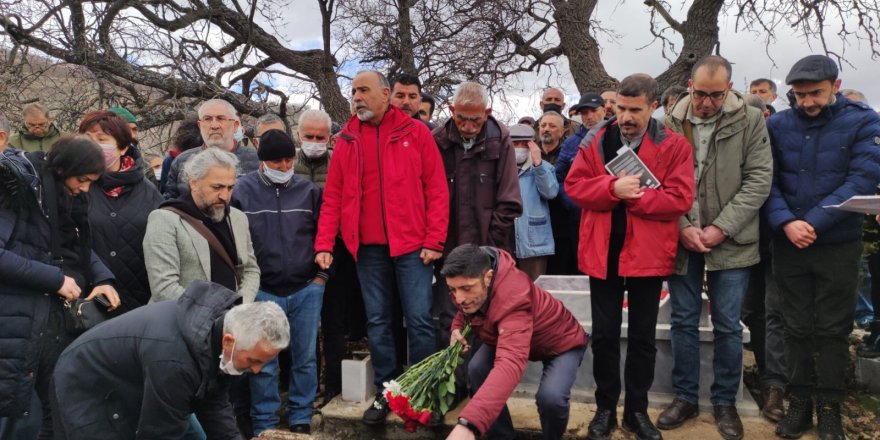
(553, 108)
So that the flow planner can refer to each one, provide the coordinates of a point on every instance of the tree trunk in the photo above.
(573, 26)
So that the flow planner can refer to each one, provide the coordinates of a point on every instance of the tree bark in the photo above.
(584, 61)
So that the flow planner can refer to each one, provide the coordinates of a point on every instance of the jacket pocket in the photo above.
(539, 230)
(748, 235)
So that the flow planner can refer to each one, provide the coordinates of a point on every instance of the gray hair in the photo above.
(268, 118)
(35, 107)
(258, 321)
(755, 101)
(554, 114)
(857, 95)
(223, 102)
(470, 93)
(4, 124)
(315, 115)
(198, 165)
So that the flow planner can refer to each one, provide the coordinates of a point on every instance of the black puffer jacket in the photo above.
(118, 225)
(28, 278)
(142, 374)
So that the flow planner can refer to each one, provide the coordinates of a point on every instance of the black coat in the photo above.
(29, 279)
(142, 374)
(118, 225)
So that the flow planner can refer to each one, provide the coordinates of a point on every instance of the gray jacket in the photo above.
(176, 255)
(734, 184)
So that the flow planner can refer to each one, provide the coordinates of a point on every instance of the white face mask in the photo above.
(158, 173)
(239, 134)
(522, 155)
(276, 176)
(111, 154)
(227, 367)
(314, 150)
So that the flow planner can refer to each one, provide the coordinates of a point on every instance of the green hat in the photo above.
(124, 114)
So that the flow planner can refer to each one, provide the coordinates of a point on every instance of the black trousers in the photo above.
(606, 300)
(818, 286)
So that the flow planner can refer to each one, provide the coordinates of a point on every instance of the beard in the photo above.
(547, 139)
(221, 143)
(215, 214)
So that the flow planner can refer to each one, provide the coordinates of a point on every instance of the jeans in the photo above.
(864, 304)
(377, 271)
(726, 289)
(818, 286)
(552, 397)
(303, 310)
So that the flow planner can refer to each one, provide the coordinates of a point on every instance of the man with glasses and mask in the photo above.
(38, 132)
(733, 168)
(218, 123)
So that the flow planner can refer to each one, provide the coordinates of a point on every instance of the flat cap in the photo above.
(521, 132)
(813, 68)
(593, 100)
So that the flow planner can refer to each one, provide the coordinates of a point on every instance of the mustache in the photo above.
(628, 124)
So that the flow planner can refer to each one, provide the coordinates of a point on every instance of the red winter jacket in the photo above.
(413, 187)
(524, 323)
(651, 221)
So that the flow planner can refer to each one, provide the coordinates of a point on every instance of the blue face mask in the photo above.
(275, 176)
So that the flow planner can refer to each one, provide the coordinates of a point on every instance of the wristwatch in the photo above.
(464, 422)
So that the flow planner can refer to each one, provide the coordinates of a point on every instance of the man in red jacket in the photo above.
(628, 242)
(515, 322)
(386, 194)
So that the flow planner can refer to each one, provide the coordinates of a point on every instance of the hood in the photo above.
(25, 134)
(201, 304)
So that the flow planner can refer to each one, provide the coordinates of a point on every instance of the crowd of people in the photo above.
(245, 243)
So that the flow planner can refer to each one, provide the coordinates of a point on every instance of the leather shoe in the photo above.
(727, 420)
(640, 424)
(773, 408)
(677, 413)
(375, 414)
(602, 424)
(301, 429)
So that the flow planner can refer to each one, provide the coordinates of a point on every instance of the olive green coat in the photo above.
(25, 141)
(734, 184)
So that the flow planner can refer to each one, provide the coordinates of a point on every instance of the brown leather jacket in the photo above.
(484, 197)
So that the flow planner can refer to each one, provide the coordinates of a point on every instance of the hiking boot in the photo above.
(774, 407)
(798, 419)
(676, 414)
(602, 424)
(375, 414)
(727, 420)
(830, 426)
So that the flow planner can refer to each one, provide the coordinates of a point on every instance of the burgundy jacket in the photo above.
(524, 323)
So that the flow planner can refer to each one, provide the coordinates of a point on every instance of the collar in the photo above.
(696, 120)
(635, 143)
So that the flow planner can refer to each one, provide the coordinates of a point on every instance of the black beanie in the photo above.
(275, 145)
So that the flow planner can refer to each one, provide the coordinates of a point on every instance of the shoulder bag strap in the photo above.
(206, 233)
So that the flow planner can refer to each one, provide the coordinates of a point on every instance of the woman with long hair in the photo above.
(46, 259)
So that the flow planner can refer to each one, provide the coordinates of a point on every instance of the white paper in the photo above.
(860, 204)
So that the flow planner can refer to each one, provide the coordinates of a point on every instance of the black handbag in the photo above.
(82, 314)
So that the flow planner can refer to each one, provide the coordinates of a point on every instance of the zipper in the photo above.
(381, 187)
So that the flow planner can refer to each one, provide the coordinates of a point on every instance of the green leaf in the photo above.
(444, 407)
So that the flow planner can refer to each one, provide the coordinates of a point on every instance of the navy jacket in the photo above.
(283, 220)
(29, 279)
(141, 375)
(823, 161)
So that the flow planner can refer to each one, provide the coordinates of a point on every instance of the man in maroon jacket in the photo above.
(515, 322)
(628, 242)
(386, 195)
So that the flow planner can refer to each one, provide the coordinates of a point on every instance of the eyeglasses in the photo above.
(220, 119)
(700, 95)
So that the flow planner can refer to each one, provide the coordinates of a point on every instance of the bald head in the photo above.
(370, 96)
(555, 98)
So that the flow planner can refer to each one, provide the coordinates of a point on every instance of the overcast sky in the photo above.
(745, 50)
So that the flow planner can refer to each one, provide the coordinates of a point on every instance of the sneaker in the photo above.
(375, 414)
